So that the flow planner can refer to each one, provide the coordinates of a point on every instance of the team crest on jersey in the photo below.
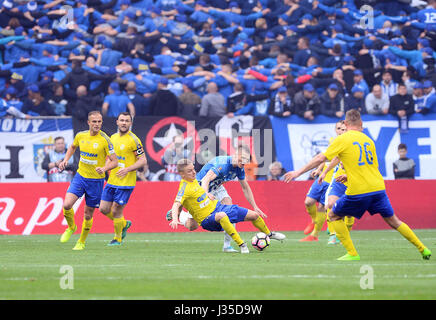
(122, 147)
(95, 145)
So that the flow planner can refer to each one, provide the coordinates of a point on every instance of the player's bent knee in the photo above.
(251, 215)
(219, 216)
(308, 202)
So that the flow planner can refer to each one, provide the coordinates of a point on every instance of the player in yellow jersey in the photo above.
(316, 194)
(210, 214)
(95, 146)
(366, 188)
(122, 180)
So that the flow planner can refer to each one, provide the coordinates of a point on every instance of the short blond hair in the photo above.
(353, 117)
(182, 164)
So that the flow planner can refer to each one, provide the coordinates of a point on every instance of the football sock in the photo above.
(259, 223)
(86, 227)
(69, 216)
(230, 229)
(349, 221)
(329, 224)
(311, 210)
(407, 233)
(227, 238)
(110, 216)
(183, 217)
(344, 235)
(319, 223)
(119, 224)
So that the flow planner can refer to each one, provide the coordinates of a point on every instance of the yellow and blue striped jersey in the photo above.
(127, 147)
(358, 155)
(93, 153)
(194, 199)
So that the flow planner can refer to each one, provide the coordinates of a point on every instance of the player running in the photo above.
(212, 176)
(317, 193)
(122, 180)
(210, 213)
(95, 146)
(366, 188)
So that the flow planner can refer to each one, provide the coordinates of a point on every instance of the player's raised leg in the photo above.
(260, 224)
(68, 211)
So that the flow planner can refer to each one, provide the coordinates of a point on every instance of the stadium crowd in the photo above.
(217, 57)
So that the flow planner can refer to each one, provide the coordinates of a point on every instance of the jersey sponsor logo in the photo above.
(201, 198)
(87, 161)
(88, 154)
(121, 158)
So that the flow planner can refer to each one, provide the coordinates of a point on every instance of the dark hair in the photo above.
(58, 138)
(125, 114)
(402, 146)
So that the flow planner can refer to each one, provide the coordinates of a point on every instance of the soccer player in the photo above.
(209, 213)
(366, 188)
(212, 176)
(122, 179)
(316, 194)
(95, 146)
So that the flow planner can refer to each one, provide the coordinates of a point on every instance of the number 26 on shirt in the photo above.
(368, 153)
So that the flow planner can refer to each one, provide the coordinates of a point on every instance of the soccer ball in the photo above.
(260, 241)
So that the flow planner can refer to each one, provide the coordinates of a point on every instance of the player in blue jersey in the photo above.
(212, 176)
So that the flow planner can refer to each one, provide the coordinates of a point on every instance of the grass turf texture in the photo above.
(191, 266)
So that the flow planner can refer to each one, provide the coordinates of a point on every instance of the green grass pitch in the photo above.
(191, 266)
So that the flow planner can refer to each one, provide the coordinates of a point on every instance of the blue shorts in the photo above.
(336, 189)
(114, 194)
(357, 205)
(317, 191)
(91, 188)
(234, 212)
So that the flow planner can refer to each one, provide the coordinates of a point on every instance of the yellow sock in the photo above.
(312, 212)
(110, 216)
(69, 216)
(319, 223)
(407, 233)
(230, 229)
(344, 235)
(349, 221)
(119, 224)
(86, 227)
(329, 224)
(259, 223)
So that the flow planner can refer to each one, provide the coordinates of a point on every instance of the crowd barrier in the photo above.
(36, 208)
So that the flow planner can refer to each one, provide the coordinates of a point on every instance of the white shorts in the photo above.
(220, 193)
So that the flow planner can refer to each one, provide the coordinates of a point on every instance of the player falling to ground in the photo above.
(95, 146)
(316, 194)
(366, 188)
(122, 180)
(212, 176)
(209, 213)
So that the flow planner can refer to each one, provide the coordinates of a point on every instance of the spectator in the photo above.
(84, 104)
(388, 86)
(163, 102)
(35, 104)
(356, 100)
(377, 102)
(281, 105)
(57, 101)
(332, 103)
(116, 102)
(360, 81)
(144, 174)
(307, 103)
(190, 102)
(141, 104)
(213, 103)
(429, 96)
(404, 167)
(418, 99)
(276, 171)
(402, 106)
(240, 99)
(53, 158)
(174, 153)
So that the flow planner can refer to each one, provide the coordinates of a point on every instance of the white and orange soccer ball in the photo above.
(260, 241)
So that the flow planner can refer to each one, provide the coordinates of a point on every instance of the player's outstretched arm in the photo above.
(71, 149)
(330, 166)
(315, 162)
(210, 175)
(248, 193)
